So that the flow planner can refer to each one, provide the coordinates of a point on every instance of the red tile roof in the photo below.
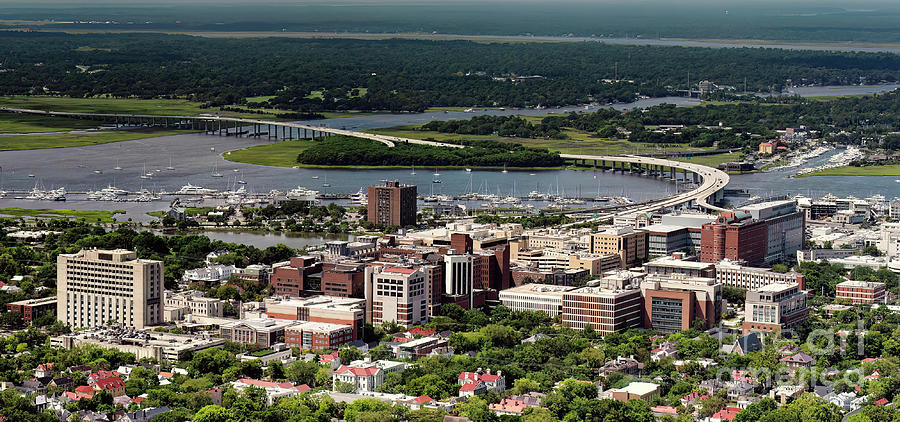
(669, 410)
(469, 386)
(881, 402)
(475, 377)
(423, 399)
(727, 413)
(360, 372)
(329, 357)
(421, 331)
(109, 383)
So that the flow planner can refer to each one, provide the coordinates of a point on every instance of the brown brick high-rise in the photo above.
(392, 204)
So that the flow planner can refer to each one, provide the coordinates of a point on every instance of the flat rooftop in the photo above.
(539, 289)
(777, 287)
(663, 228)
(319, 327)
(860, 284)
(679, 263)
(35, 302)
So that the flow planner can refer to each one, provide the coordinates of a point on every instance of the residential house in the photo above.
(800, 360)
(626, 366)
(144, 415)
(66, 383)
(472, 389)
(274, 390)
(114, 385)
(665, 350)
(44, 370)
(785, 393)
(726, 414)
(740, 390)
(508, 406)
(495, 382)
(743, 345)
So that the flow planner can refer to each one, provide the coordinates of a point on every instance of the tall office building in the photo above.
(774, 307)
(735, 236)
(392, 204)
(674, 302)
(95, 287)
(459, 275)
(396, 294)
(628, 244)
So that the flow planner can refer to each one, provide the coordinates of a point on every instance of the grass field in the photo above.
(26, 123)
(65, 140)
(888, 170)
(87, 215)
(579, 142)
(123, 106)
(282, 154)
(712, 160)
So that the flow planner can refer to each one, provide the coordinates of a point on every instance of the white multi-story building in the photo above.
(192, 302)
(535, 297)
(365, 375)
(397, 294)
(459, 271)
(730, 273)
(95, 287)
(774, 307)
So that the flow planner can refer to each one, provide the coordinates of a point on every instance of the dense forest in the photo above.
(310, 75)
(723, 125)
(349, 151)
(501, 125)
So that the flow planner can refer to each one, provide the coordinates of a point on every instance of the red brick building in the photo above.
(491, 269)
(344, 280)
(318, 335)
(33, 308)
(735, 236)
(604, 310)
(392, 204)
(673, 302)
(860, 292)
(288, 280)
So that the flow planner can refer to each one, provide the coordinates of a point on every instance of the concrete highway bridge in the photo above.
(710, 182)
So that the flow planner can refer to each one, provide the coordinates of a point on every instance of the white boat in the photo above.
(144, 174)
(413, 171)
(190, 189)
(359, 198)
(302, 194)
(504, 169)
(215, 172)
(170, 164)
(113, 190)
(315, 177)
(468, 170)
(117, 166)
(30, 175)
(98, 171)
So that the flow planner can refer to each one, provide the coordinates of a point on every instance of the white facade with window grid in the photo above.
(96, 287)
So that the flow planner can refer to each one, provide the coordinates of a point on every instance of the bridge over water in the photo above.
(710, 182)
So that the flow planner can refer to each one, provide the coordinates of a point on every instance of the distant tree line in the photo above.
(848, 119)
(309, 76)
(350, 151)
(501, 125)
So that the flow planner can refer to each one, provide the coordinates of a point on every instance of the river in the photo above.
(195, 157)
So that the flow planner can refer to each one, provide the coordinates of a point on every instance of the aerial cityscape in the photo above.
(430, 211)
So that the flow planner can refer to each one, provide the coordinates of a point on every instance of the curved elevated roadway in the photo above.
(713, 179)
